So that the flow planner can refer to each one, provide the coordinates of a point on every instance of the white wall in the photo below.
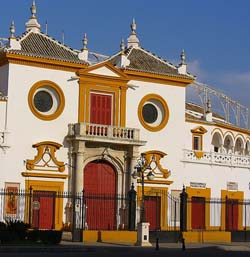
(25, 128)
(171, 138)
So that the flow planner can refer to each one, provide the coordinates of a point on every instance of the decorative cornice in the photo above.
(156, 78)
(40, 62)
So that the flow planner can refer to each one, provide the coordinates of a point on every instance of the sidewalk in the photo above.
(67, 246)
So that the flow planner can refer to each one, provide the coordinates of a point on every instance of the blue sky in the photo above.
(214, 33)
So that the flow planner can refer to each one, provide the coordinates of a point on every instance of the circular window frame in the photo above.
(61, 99)
(163, 123)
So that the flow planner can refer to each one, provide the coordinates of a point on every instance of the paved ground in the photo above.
(69, 249)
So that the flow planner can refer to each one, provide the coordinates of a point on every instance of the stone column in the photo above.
(78, 171)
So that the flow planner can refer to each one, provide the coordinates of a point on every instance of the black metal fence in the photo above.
(164, 212)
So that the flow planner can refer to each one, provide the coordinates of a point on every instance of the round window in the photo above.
(149, 113)
(153, 112)
(46, 100)
(43, 101)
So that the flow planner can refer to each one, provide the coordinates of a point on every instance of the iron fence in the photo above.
(164, 211)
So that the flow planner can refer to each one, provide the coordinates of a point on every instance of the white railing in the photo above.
(214, 158)
(103, 131)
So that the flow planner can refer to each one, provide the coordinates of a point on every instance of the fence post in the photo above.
(183, 210)
(30, 205)
(132, 208)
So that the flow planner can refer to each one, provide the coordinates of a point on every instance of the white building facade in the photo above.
(72, 120)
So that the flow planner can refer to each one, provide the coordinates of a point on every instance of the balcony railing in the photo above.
(99, 132)
(214, 158)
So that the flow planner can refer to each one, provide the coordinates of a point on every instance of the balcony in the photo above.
(213, 158)
(105, 133)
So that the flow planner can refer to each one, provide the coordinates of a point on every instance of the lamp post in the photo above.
(143, 169)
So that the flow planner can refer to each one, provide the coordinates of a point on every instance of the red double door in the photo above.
(152, 211)
(43, 209)
(198, 212)
(232, 208)
(100, 109)
(100, 195)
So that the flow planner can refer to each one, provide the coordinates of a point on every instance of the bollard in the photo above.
(157, 244)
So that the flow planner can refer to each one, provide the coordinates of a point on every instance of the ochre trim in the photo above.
(47, 186)
(237, 195)
(163, 194)
(198, 132)
(220, 125)
(121, 75)
(44, 175)
(156, 182)
(41, 62)
(162, 79)
(61, 103)
(198, 154)
(45, 160)
(165, 108)
(95, 83)
(198, 192)
(156, 156)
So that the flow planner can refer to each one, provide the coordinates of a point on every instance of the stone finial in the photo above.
(33, 9)
(208, 114)
(182, 68)
(133, 27)
(183, 57)
(12, 30)
(123, 60)
(83, 55)
(132, 39)
(209, 105)
(13, 43)
(85, 41)
(32, 23)
(122, 45)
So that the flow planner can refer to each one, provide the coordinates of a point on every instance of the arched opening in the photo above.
(239, 146)
(100, 187)
(247, 148)
(228, 144)
(216, 142)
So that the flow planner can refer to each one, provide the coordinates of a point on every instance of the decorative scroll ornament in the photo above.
(45, 160)
(153, 157)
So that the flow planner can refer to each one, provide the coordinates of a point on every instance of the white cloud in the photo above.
(241, 79)
(194, 67)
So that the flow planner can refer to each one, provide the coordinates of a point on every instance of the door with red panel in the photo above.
(43, 209)
(232, 208)
(100, 195)
(152, 206)
(101, 109)
(198, 212)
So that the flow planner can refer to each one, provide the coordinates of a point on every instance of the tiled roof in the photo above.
(43, 46)
(144, 61)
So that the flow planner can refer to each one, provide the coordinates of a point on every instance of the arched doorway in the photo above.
(100, 182)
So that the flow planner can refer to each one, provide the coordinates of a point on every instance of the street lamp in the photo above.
(143, 169)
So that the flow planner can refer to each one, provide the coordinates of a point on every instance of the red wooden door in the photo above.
(232, 208)
(43, 209)
(101, 109)
(152, 211)
(198, 212)
(100, 193)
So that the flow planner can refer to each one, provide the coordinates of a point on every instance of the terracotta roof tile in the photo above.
(43, 46)
(145, 61)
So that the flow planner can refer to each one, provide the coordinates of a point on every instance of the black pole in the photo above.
(183, 210)
(143, 219)
(132, 208)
